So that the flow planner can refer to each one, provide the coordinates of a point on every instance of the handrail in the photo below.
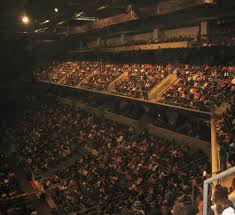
(210, 180)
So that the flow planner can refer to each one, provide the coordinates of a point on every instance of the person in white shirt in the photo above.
(223, 205)
(231, 196)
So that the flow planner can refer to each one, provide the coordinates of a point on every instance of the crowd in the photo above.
(11, 198)
(225, 129)
(218, 41)
(218, 37)
(201, 87)
(221, 35)
(141, 79)
(119, 173)
(119, 169)
(127, 43)
(44, 136)
(104, 75)
(80, 71)
(162, 40)
(55, 71)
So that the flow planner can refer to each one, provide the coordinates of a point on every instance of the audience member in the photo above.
(201, 87)
(223, 205)
(225, 131)
(141, 79)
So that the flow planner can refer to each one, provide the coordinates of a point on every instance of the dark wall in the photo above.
(20, 53)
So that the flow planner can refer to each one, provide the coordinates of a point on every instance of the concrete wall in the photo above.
(92, 44)
(113, 41)
(144, 36)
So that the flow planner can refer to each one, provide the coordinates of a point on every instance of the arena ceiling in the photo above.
(11, 10)
(41, 10)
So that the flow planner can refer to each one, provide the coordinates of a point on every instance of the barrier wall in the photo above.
(68, 90)
(137, 37)
(193, 143)
(169, 45)
(192, 32)
(181, 139)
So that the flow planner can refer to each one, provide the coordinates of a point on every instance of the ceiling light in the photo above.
(101, 8)
(45, 22)
(60, 23)
(25, 19)
(56, 10)
(78, 14)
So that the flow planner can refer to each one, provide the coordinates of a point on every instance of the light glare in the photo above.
(25, 19)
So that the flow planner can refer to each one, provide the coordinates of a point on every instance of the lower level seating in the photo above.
(116, 167)
(225, 128)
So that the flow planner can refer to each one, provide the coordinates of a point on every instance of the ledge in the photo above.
(105, 93)
(157, 46)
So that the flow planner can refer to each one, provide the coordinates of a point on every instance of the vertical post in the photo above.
(205, 197)
(204, 30)
(214, 149)
(156, 34)
(80, 44)
(98, 42)
(122, 39)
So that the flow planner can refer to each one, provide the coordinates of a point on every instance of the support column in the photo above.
(98, 42)
(122, 39)
(214, 150)
(204, 30)
(156, 34)
(80, 44)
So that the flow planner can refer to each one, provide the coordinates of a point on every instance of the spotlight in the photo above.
(25, 20)
(56, 10)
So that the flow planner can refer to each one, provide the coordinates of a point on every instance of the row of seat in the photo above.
(199, 87)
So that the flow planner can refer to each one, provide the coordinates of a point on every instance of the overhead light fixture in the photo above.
(56, 10)
(45, 22)
(101, 8)
(25, 20)
(84, 18)
(78, 14)
(60, 23)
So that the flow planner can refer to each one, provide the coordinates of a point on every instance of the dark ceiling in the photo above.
(39, 10)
